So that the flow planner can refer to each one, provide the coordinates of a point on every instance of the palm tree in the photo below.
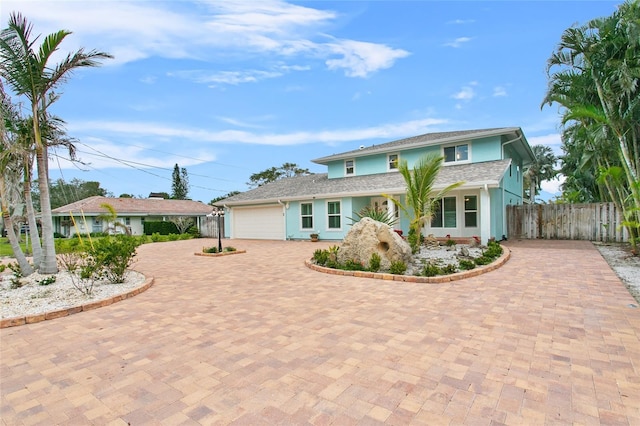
(27, 70)
(597, 80)
(541, 168)
(420, 202)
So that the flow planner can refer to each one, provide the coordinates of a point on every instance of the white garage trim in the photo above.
(260, 223)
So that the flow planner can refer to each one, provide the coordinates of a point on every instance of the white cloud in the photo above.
(499, 91)
(461, 21)
(466, 93)
(166, 133)
(134, 30)
(458, 42)
(359, 59)
(553, 186)
(552, 140)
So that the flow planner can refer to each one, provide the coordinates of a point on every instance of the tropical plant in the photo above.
(27, 70)
(594, 74)
(111, 217)
(420, 199)
(377, 214)
(542, 168)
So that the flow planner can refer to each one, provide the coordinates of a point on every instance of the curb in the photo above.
(479, 270)
(31, 319)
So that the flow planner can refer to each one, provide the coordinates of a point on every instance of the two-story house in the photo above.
(490, 162)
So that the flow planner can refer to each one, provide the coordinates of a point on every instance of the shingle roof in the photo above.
(319, 185)
(419, 141)
(136, 207)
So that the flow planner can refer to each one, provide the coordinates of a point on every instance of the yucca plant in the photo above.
(375, 213)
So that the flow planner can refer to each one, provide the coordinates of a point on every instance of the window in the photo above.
(127, 221)
(456, 153)
(333, 214)
(392, 161)
(470, 211)
(349, 167)
(444, 213)
(306, 214)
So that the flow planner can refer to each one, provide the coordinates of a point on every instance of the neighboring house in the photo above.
(132, 212)
(489, 161)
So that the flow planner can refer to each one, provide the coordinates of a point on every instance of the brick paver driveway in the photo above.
(258, 338)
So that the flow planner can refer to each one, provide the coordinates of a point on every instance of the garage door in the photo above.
(261, 223)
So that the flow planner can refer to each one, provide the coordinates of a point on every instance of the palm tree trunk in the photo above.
(48, 264)
(31, 218)
(25, 267)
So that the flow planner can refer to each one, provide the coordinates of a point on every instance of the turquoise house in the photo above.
(490, 162)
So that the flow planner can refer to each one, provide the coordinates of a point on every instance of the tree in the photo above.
(541, 169)
(183, 223)
(596, 79)
(230, 194)
(274, 173)
(62, 193)
(420, 202)
(10, 162)
(27, 70)
(180, 184)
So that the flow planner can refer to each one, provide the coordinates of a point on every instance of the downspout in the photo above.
(509, 142)
(284, 217)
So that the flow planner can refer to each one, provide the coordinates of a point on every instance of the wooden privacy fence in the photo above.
(593, 222)
(209, 227)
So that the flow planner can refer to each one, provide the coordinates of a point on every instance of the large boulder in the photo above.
(369, 236)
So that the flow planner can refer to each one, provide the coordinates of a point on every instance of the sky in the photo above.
(226, 89)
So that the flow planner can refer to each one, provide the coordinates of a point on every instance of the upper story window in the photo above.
(349, 167)
(453, 154)
(392, 161)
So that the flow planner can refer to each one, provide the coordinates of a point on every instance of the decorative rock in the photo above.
(369, 236)
(431, 242)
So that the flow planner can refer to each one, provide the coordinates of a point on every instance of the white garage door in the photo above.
(261, 223)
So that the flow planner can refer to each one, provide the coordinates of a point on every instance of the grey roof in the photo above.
(319, 185)
(423, 140)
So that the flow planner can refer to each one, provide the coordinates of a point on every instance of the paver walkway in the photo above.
(258, 338)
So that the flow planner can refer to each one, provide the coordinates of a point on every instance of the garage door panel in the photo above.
(263, 223)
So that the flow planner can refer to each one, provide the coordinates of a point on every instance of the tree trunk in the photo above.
(25, 268)
(48, 264)
(31, 218)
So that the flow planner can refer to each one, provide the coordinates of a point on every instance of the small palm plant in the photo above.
(375, 213)
(420, 202)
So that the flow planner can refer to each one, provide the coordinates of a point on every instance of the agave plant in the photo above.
(375, 213)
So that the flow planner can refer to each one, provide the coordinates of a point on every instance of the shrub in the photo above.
(173, 237)
(320, 257)
(398, 267)
(156, 237)
(466, 265)
(431, 270)
(82, 269)
(161, 227)
(374, 262)
(58, 235)
(352, 265)
(16, 275)
(449, 269)
(113, 256)
(48, 280)
(229, 248)
(494, 250)
(210, 249)
(451, 243)
(483, 260)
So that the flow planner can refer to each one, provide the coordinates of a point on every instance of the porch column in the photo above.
(391, 208)
(485, 215)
